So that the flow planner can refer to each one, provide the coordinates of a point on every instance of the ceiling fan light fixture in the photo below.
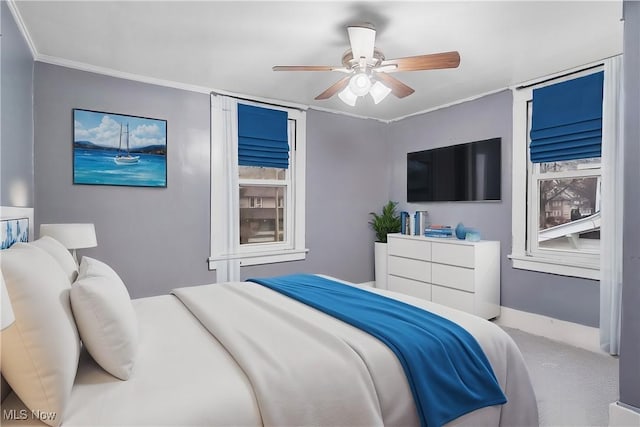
(367, 67)
(348, 97)
(379, 92)
(360, 84)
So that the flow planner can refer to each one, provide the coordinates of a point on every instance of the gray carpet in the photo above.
(574, 387)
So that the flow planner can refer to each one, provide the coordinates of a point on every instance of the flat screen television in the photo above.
(463, 172)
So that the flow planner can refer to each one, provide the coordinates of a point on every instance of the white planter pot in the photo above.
(380, 252)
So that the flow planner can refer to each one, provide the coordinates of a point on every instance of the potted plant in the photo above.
(387, 222)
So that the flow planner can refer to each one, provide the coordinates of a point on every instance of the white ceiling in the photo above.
(231, 46)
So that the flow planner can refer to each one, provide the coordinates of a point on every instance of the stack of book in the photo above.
(413, 224)
(443, 231)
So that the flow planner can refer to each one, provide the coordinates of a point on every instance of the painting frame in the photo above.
(11, 215)
(117, 149)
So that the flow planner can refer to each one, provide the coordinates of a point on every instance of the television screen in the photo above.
(464, 172)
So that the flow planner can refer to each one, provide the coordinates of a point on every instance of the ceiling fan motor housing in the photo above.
(352, 63)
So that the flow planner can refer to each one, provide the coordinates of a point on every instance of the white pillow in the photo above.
(105, 317)
(40, 350)
(93, 267)
(61, 254)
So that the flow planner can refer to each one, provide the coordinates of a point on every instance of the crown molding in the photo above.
(345, 113)
(449, 104)
(67, 63)
(22, 27)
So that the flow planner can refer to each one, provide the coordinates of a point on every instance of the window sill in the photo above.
(257, 258)
(563, 267)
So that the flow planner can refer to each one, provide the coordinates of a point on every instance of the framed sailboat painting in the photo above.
(119, 149)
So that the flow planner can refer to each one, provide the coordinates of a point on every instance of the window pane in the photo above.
(566, 200)
(262, 212)
(564, 205)
(257, 172)
(570, 165)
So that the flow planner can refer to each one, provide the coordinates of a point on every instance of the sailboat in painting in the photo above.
(125, 159)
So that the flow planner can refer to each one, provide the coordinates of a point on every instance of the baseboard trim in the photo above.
(371, 284)
(621, 415)
(574, 334)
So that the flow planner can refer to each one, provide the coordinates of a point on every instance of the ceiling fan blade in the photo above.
(425, 62)
(306, 68)
(334, 88)
(362, 39)
(398, 88)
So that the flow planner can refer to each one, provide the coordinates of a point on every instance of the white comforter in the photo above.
(264, 359)
(308, 368)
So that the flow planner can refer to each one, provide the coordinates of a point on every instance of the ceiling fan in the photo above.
(369, 71)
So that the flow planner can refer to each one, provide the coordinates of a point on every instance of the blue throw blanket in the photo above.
(447, 371)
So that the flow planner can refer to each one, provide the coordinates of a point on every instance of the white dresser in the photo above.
(456, 273)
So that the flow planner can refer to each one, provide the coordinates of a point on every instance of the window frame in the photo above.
(525, 254)
(288, 182)
(225, 177)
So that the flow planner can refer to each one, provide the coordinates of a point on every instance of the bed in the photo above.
(240, 354)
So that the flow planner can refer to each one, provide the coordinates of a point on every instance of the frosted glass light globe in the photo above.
(360, 84)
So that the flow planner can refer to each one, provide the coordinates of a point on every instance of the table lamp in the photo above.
(72, 236)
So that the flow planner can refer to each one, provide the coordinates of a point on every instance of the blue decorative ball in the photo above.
(461, 232)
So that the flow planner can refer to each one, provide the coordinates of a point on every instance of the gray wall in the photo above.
(347, 177)
(158, 239)
(630, 335)
(155, 238)
(16, 119)
(566, 298)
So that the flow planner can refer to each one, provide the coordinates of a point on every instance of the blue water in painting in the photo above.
(99, 167)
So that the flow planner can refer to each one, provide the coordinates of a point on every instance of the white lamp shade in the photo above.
(72, 236)
(5, 305)
(348, 97)
(379, 92)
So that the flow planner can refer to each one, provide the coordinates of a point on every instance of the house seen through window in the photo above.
(262, 202)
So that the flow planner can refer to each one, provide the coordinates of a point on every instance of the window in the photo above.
(566, 201)
(556, 187)
(257, 188)
(263, 217)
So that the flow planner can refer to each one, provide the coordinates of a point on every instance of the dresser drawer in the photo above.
(409, 287)
(409, 268)
(453, 298)
(453, 277)
(453, 254)
(408, 248)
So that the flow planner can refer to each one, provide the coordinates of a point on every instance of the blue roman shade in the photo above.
(567, 120)
(262, 137)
